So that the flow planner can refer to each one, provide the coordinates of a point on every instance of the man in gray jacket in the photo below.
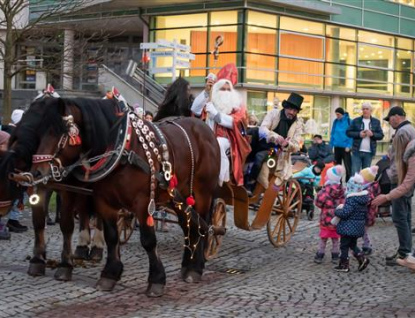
(401, 207)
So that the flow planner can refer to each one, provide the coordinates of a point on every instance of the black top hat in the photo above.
(396, 110)
(293, 101)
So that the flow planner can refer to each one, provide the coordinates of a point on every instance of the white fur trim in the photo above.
(358, 194)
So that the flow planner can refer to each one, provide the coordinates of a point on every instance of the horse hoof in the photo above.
(106, 284)
(37, 269)
(155, 290)
(63, 274)
(96, 254)
(81, 252)
(190, 276)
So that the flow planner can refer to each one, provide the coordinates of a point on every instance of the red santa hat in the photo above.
(229, 72)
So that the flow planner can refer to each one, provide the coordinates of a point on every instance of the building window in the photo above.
(262, 19)
(302, 26)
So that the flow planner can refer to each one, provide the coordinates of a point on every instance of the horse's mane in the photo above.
(99, 117)
(176, 101)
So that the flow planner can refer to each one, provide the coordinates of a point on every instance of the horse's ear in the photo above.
(61, 106)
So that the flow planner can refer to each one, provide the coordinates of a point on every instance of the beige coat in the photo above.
(284, 167)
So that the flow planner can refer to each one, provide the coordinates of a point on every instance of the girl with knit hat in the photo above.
(351, 226)
(328, 198)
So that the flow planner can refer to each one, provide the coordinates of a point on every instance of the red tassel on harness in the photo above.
(190, 201)
(75, 140)
(150, 221)
(173, 182)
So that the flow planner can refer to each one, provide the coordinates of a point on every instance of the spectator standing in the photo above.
(366, 132)
(341, 143)
(400, 173)
(148, 116)
(328, 198)
(352, 223)
(319, 150)
(4, 140)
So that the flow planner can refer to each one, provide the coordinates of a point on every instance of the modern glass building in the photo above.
(335, 52)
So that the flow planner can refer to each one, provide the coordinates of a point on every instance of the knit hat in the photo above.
(355, 184)
(17, 116)
(334, 174)
(339, 110)
(4, 138)
(369, 174)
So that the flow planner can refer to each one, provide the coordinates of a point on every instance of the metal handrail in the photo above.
(146, 83)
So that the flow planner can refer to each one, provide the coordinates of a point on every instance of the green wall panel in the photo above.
(408, 12)
(355, 3)
(380, 21)
(349, 16)
(407, 27)
(383, 6)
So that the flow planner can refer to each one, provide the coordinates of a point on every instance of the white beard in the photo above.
(226, 101)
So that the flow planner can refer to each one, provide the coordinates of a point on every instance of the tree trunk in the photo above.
(7, 95)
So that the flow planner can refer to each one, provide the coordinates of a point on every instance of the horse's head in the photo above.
(44, 130)
(59, 146)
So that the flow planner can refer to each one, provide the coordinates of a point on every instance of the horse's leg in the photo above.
(84, 238)
(193, 262)
(65, 267)
(98, 241)
(157, 274)
(38, 261)
(113, 267)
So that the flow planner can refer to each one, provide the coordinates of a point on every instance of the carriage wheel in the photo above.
(125, 225)
(218, 219)
(285, 213)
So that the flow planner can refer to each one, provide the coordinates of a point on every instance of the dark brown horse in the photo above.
(23, 141)
(194, 156)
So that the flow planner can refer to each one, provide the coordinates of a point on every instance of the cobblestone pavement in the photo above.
(271, 282)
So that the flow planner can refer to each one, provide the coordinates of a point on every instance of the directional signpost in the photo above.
(162, 48)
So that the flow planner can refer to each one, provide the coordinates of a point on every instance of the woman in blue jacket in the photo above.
(341, 142)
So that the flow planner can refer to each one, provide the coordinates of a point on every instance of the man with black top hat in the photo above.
(280, 129)
(401, 205)
(342, 143)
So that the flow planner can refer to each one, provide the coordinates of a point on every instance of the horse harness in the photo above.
(151, 141)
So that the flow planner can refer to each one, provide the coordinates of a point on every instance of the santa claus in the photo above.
(226, 116)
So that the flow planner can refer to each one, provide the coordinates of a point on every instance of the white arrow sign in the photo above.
(183, 63)
(189, 56)
(161, 53)
(173, 45)
(161, 70)
(149, 46)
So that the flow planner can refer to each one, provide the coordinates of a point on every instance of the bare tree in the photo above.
(17, 27)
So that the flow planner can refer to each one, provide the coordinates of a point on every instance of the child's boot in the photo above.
(343, 266)
(318, 258)
(363, 261)
(334, 258)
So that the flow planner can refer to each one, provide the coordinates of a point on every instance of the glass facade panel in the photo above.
(261, 40)
(375, 56)
(339, 51)
(257, 103)
(374, 81)
(300, 45)
(293, 72)
(335, 31)
(260, 68)
(303, 26)
(340, 77)
(375, 38)
(224, 17)
(404, 43)
(196, 38)
(180, 21)
(403, 60)
(262, 19)
(410, 111)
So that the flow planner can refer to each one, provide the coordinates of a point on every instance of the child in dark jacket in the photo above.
(328, 198)
(352, 223)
